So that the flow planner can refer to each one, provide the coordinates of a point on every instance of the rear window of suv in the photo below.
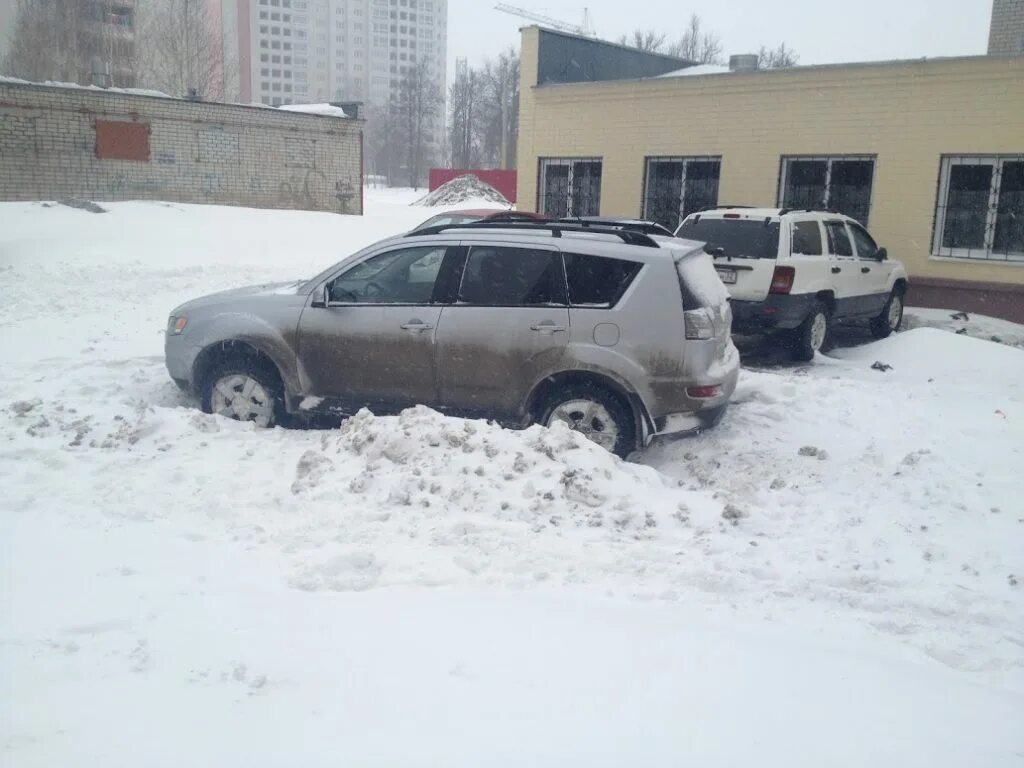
(597, 281)
(739, 238)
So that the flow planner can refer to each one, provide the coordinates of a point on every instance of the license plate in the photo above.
(727, 276)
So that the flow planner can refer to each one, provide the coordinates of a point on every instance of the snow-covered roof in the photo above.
(57, 84)
(326, 110)
(698, 69)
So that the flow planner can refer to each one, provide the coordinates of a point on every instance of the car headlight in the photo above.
(175, 325)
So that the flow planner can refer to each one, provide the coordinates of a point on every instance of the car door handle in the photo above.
(416, 325)
(836, 270)
(547, 327)
(865, 270)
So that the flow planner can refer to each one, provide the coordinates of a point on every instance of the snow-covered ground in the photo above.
(830, 577)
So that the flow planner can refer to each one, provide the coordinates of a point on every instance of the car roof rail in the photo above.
(638, 225)
(556, 228)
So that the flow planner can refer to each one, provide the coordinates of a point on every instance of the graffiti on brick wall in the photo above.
(122, 185)
(312, 190)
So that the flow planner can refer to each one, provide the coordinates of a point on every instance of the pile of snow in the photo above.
(966, 324)
(463, 189)
(698, 70)
(326, 110)
(830, 576)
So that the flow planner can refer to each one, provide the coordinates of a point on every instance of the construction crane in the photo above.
(562, 26)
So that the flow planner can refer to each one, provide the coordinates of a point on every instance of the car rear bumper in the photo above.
(776, 312)
(703, 413)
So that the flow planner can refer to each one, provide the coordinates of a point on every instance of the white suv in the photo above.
(800, 271)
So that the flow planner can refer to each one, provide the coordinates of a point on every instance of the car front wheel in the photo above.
(595, 413)
(891, 318)
(244, 390)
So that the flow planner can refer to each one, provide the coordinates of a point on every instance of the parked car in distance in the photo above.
(469, 215)
(800, 271)
(620, 335)
(637, 225)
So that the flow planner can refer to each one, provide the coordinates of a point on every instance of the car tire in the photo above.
(595, 412)
(813, 334)
(891, 318)
(244, 389)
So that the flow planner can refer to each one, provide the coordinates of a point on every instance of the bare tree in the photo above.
(64, 40)
(776, 58)
(697, 44)
(484, 115)
(464, 95)
(649, 40)
(502, 79)
(183, 47)
(415, 110)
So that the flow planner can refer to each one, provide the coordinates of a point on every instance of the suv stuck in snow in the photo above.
(800, 271)
(618, 334)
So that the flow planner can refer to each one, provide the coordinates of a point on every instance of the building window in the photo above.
(840, 184)
(569, 186)
(980, 209)
(675, 187)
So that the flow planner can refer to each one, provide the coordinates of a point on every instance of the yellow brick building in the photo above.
(930, 153)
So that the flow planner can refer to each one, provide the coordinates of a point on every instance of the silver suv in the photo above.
(619, 334)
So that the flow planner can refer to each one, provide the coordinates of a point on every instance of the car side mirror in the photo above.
(320, 296)
(881, 254)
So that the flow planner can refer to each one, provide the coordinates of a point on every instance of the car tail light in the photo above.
(782, 280)
(713, 390)
(699, 325)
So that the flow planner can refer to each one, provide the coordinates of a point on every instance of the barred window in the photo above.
(675, 187)
(842, 183)
(569, 186)
(980, 209)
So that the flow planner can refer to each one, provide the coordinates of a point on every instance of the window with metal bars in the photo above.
(841, 183)
(980, 209)
(569, 186)
(675, 187)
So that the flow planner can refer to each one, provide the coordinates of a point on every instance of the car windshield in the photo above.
(738, 238)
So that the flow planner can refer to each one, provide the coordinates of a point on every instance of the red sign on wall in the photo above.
(119, 140)
(503, 181)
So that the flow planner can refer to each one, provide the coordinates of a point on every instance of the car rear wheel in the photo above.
(595, 413)
(813, 334)
(244, 390)
(891, 318)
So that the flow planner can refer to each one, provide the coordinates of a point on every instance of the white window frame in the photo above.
(571, 163)
(828, 160)
(984, 253)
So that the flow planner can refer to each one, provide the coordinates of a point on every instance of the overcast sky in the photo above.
(821, 31)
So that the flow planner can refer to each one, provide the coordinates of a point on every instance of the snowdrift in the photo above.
(463, 189)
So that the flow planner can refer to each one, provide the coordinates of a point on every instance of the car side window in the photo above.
(867, 248)
(401, 276)
(838, 239)
(499, 276)
(807, 238)
(597, 281)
